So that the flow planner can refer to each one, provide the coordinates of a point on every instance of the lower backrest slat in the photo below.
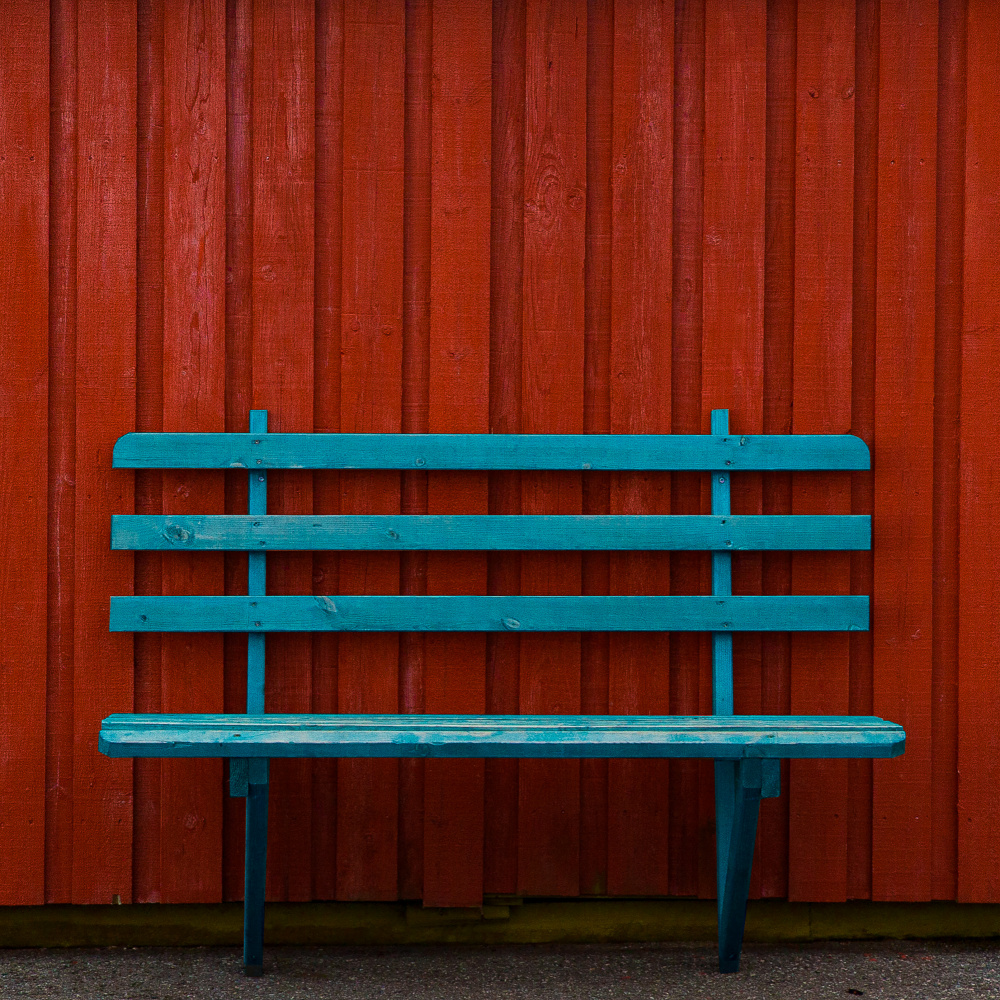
(463, 613)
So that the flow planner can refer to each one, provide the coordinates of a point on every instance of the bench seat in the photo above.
(717, 737)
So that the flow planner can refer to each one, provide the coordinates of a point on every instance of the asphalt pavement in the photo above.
(884, 970)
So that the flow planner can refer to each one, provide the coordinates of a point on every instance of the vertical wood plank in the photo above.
(326, 406)
(978, 696)
(455, 677)
(904, 441)
(371, 394)
(555, 186)
(503, 569)
(779, 274)
(416, 404)
(733, 272)
(864, 322)
(24, 338)
(642, 242)
(146, 773)
(62, 455)
(595, 648)
(105, 401)
(821, 404)
(194, 86)
(283, 288)
(685, 396)
(239, 378)
(947, 403)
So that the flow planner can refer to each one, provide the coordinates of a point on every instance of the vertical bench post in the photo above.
(255, 861)
(737, 786)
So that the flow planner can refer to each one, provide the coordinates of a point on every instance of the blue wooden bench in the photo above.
(746, 749)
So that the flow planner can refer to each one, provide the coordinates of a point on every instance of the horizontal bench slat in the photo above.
(498, 736)
(462, 613)
(491, 532)
(491, 451)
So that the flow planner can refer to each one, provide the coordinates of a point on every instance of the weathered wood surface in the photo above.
(607, 452)
(278, 735)
(461, 613)
(524, 532)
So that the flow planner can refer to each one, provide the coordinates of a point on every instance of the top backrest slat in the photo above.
(599, 452)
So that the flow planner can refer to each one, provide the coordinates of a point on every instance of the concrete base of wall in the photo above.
(499, 921)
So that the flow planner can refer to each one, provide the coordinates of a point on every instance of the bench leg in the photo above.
(743, 786)
(255, 868)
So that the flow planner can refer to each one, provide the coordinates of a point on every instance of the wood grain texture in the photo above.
(371, 395)
(416, 404)
(948, 320)
(595, 649)
(779, 332)
(194, 85)
(503, 572)
(24, 342)
(560, 532)
(105, 409)
(555, 185)
(904, 444)
(455, 674)
(148, 650)
(821, 398)
(978, 702)
(685, 829)
(283, 295)
(62, 455)
(586, 452)
(464, 613)
(459, 735)
(863, 331)
(326, 404)
(239, 376)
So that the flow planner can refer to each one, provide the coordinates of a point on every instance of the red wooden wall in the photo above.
(560, 216)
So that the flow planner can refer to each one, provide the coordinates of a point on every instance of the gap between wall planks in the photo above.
(117, 294)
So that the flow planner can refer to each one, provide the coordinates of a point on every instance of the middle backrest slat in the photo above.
(491, 532)
(465, 613)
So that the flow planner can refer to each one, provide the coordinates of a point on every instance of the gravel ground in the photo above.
(891, 970)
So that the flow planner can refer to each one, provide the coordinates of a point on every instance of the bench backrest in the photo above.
(721, 533)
